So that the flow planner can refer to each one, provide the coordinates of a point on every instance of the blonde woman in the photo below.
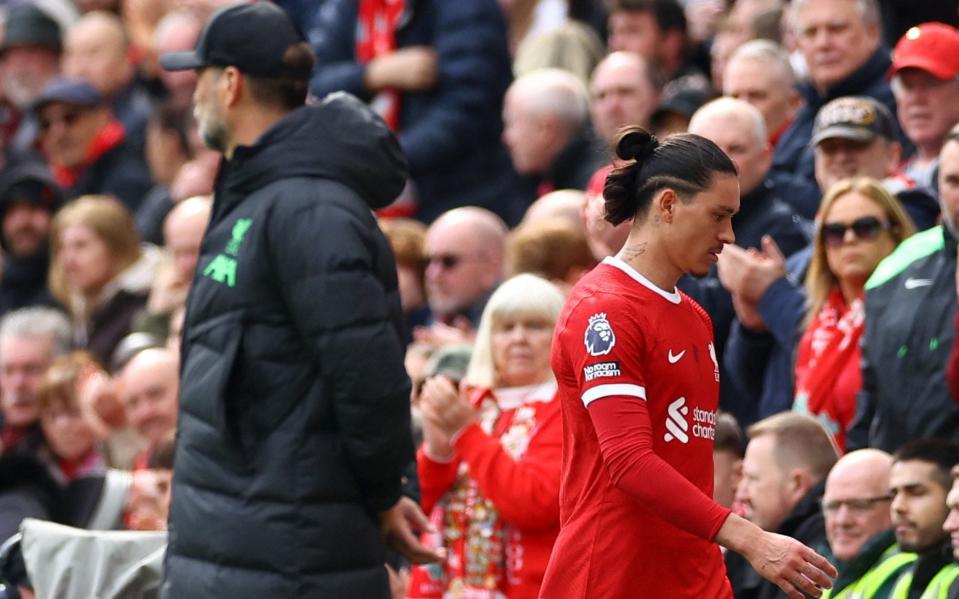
(99, 271)
(491, 458)
(859, 224)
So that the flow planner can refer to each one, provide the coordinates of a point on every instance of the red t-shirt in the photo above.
(639, 388)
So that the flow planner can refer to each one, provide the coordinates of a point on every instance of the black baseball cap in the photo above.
(27, 25)
(253, 37)
(858, 118)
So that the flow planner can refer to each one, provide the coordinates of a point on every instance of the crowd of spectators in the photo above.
(834, 313)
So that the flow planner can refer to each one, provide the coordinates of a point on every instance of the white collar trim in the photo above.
(670, 296)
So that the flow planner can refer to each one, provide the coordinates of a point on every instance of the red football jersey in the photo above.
(622, 339)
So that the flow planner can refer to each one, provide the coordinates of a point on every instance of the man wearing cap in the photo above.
(925, 81)
(909, 330)
(855, 136)
(87, 148)
(28, 198)
(841, 43)
(30, 58)
(294, 425)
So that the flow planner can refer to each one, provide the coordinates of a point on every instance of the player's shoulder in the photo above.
(698, 310)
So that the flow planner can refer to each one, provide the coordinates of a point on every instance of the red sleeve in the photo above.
(625, 438)
(435, 478)
(952, 365)
(525, 491)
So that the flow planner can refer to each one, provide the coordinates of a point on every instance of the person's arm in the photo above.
(334, 43)
(525, 491)
(471, 48)
(625, 436)
(782, 308)
(436, 477)
(746, 357)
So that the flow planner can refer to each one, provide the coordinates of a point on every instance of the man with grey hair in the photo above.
(546, 130)
(840, 41)
(739, 130)
(625, 90)
(30, 338)
(759, 72)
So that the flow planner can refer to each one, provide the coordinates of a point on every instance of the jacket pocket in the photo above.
(207, 388)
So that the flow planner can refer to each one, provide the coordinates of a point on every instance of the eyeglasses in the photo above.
(860, 505)
(447, 261)
(865, 228)
(68, 118)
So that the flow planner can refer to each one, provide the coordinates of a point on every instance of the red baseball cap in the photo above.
(932, 47)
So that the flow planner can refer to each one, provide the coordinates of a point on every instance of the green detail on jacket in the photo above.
(934, 344)
(902, 351)
(918, 246)
(222, 268)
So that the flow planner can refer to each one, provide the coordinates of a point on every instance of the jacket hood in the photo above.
(339, 138)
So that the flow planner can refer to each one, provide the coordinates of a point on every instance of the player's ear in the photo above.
(665, 203)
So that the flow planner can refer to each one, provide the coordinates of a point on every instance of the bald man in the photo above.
(739, 129)
(97, 50)
(855, 505)
(177, 32)
(624, 91)
(464, 256)
(148, 388)
(546, 130)
(183, 232)
(566, 204)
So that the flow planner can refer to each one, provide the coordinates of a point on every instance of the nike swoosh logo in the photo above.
(673, 359)
(916, 283)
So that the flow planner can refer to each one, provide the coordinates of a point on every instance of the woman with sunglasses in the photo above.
(860, 223)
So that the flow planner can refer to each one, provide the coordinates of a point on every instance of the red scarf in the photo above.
(105, 140)
(376, 36)
(828, 375)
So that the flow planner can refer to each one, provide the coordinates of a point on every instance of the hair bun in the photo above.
(636, 144)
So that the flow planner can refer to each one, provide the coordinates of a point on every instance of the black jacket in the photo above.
(294, 423)
(121, 172)
(909, 328)
(804, 523)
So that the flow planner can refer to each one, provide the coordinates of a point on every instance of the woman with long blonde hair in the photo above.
(859, 224)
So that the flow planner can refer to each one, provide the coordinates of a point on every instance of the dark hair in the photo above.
(285, 92)
(669, 13)
(162, 457)
(684, 163)
(729, 436)
(941, 453)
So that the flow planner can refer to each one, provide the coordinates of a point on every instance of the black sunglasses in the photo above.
(447, 261)
(68, 118)
(865, 228)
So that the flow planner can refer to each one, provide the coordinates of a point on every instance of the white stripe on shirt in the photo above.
(602, 391)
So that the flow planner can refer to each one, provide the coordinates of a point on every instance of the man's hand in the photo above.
(749, 273)
(415, 68)
(400, 526)
(784, 561)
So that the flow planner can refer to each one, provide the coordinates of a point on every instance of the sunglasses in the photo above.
(447, 261)
(68, 119)
(865, 228)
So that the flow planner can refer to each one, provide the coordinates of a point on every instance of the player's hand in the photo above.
(446, 406)
(793, 567)
(401, 525)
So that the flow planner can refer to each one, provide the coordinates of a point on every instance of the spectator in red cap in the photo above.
(925, 81)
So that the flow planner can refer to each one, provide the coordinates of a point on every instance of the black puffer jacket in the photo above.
(294, 422)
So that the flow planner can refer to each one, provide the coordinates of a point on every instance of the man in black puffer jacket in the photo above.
(294, 424)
